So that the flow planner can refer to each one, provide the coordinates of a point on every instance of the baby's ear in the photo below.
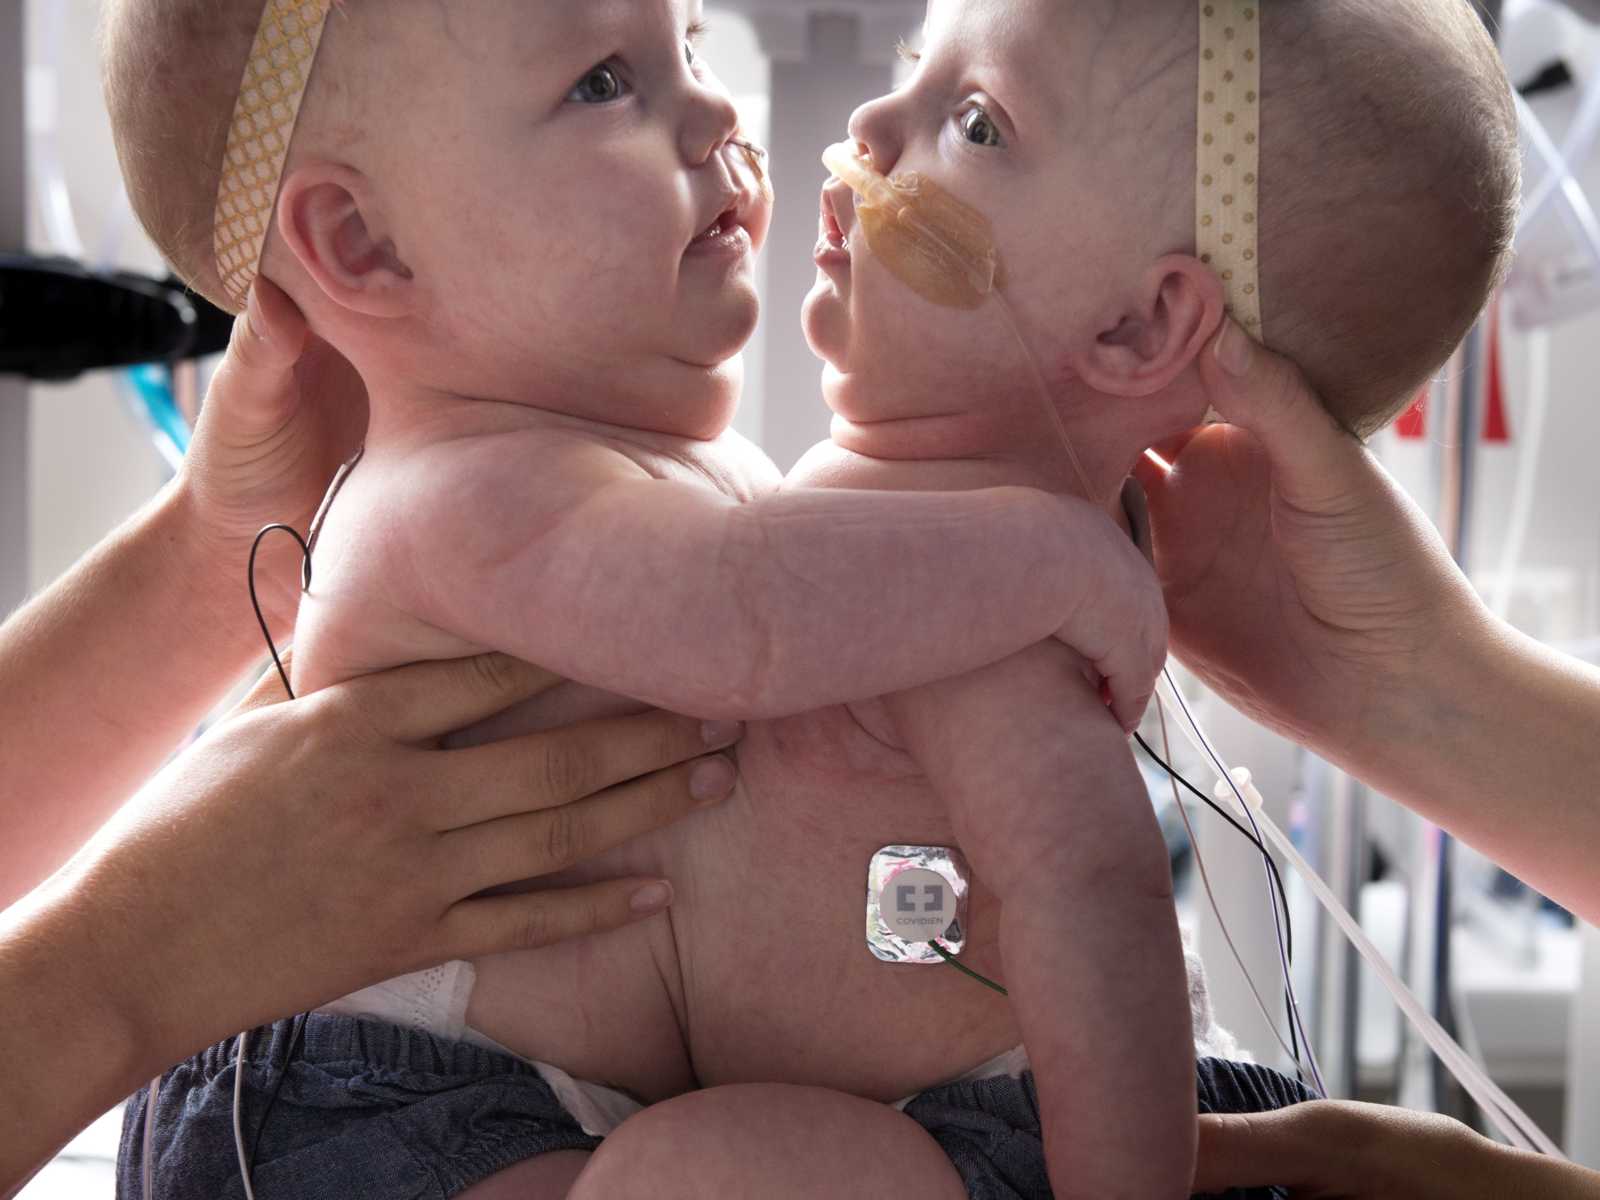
(329, 217)
(1177, 311)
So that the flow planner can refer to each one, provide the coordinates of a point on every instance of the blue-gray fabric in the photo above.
(991, 1130)
(369, 1111)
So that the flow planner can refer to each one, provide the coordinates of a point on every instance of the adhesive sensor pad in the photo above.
(916, 894)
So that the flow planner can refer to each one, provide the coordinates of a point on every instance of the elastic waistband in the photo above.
(328, 1040)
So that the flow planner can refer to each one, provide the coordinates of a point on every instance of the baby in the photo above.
(548, 473)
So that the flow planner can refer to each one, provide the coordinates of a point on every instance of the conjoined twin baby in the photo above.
(530, 225)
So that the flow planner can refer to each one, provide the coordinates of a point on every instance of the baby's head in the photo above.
(1390, 176)
(503, 199)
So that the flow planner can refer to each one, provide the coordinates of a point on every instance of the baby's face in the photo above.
(549, 172)
(1034, 113)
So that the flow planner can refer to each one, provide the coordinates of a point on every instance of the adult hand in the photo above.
(1302, 583)
(305, 849)
(283, 413)
(1331, 1150)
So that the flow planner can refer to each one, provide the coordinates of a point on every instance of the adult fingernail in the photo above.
(721, 733)
(252, 314)
(712, 780)
(653, 897)
(1235, 351)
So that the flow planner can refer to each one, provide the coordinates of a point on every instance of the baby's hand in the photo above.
(1120, 622)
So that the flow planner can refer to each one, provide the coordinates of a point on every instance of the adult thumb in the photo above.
(1315, 462)
(256, 385)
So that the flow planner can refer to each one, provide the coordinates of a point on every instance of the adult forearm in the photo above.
(1532, 1177)
(1496, 739)
(65, 1057)
(104, 674)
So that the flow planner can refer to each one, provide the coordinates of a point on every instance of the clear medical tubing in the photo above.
(1527, 477)
(1577, 147)
(1217, 765)
(1510, 1120)
(1559, 179)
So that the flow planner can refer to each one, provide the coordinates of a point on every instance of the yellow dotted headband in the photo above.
(273, 87)
(1228, 186)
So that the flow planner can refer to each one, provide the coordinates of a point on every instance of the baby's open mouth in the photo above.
(831, 230)
(723, 224)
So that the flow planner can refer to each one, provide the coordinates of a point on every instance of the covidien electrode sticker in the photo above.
(915, 895)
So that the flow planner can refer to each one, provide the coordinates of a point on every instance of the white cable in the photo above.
(1211, 897)
(147, 1169)
(1579, 210)
(1574, 152)
(1527, 478)
(1512, 1122)
(238, 1127)
(1204, 746)
(44, 139)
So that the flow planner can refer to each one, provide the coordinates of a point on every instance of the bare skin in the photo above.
(649, 554)
(1401, 675)
(1341, 1151)
(89, 961)
(1365, 642)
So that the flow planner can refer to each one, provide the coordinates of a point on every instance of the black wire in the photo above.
(1282, 895)
(255, 603)
(1277, 879)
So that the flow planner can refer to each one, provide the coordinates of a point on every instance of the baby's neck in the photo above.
(1017, 452)
(405, 415)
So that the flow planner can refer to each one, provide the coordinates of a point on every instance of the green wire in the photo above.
(951, 959)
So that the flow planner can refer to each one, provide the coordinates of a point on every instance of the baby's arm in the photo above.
(1053, 816)
(573, 558)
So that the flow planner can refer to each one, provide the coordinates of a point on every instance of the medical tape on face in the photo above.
(264, 118)
(1228, 158)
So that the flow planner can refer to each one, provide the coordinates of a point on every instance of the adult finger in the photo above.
(545, 770)
(256, 380)
(1247, 1150)
(499, 924)
(1315, 462)
(541, 843)
(429, 700)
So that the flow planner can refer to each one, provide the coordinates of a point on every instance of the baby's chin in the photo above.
(712, 334)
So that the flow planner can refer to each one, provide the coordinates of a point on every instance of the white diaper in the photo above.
(435, 1002)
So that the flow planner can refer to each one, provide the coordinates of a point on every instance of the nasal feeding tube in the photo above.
(943, 250)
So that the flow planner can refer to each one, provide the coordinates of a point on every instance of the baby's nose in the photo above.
(875, 128)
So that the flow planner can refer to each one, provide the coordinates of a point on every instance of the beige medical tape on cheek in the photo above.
(1228, 156)
(264, 118)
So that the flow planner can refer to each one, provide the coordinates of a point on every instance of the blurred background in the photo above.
(1499, 453)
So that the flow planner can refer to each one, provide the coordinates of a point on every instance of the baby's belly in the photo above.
(761, 972)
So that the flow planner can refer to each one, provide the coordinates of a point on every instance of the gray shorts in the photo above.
(368, 1111)
(991, 1131)
(365, 1110)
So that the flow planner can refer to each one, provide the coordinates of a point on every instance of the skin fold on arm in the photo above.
(690, 601)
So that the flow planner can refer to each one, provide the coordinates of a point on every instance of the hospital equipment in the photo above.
(917, 904)
(790, 39)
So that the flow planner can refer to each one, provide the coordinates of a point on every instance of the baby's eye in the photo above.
(978, 127)
(691, 43)
(601, 85)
